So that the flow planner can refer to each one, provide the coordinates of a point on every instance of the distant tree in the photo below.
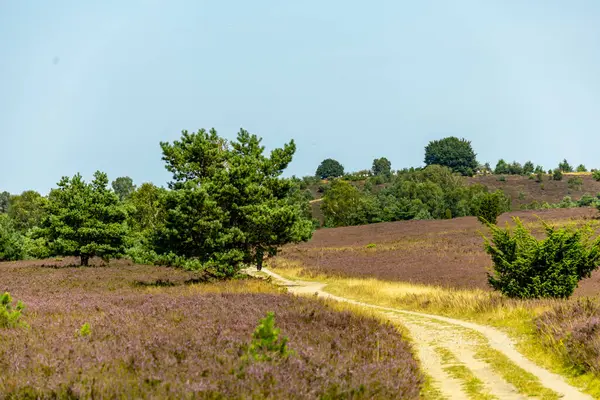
(330, 168)
(148, 212)
(456, 154)
(486, 169)
(528, 168)
(230, 206)
(84, 220)
(26, 210)
(564, 166)
(502, 168)
(381, 166)
(539, 170)
(123, 187)
(343, 205)
(4, 202)
(581, 168)
(515, 168)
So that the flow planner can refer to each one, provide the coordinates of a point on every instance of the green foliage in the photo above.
(488, 206)
(10, 315)
(123, 187)
(596, 175)
(343, 205)
(501, 178)
(539, 177)
(528, 168)
(147, 211)
(581, 168)
(575, 183)
(4, 202)
(11, 241)
(564, 166)
(85, 220)
(501, 168)
(371, 246)
(586, 200)
(525, 267)
(557, 174)
(539, 170)
(266, 345)
(27, 210)
(229, 206)
(329, 168)
(456, 154)
(85, 330)
(381, 166)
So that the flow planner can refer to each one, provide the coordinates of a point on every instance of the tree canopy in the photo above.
(229, 205)
(381, 166)
(84, 219)
(26, 210)
(456, 154)
(123, 187)
(330, 168)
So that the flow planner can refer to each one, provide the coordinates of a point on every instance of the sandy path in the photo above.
(431, 333)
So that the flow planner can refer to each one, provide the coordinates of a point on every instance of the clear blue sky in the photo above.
(87, 85)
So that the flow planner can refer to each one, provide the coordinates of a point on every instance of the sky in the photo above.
(88, 86)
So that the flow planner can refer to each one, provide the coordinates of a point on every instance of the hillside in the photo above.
(436, 252)
(523, 190)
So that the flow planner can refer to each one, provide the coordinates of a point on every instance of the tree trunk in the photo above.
(85, 260)
(259, 259)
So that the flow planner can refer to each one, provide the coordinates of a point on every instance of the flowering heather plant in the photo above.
(186, 340)
(574, 329)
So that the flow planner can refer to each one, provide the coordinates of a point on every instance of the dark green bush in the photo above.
(596, 175)
(525, 267)
(557, 175)
(488, 206)
(575, 183)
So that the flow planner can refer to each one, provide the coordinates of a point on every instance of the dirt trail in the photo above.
(447, 345)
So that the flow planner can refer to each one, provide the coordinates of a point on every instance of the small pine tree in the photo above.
(10, 315)
(488, 206)
(557, 174)
(266, 344)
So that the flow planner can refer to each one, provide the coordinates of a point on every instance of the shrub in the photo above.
(581, 168)
(539, 177)
(575, 183)
(502, 178)
(266, 344)
(596, 175)
(525, 267)
(10, 315)
(564, 166)
(488, 206)
(586, 200)
(557, 175)
(371, 246)
(85, 330)
(573, 330)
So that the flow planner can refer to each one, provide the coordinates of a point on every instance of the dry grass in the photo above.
(154, 333)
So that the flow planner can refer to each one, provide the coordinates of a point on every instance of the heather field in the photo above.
(447, 253)
(157, 333)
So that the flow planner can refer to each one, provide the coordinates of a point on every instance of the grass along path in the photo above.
(474, 375)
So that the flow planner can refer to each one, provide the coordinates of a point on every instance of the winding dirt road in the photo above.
(452, 353)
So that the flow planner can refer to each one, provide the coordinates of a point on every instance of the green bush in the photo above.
(586, 200)
(502, 178)
(10, 316)
(488, 206)
(557, 175)
(525, 267)
(575, 183)
(596, 175)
